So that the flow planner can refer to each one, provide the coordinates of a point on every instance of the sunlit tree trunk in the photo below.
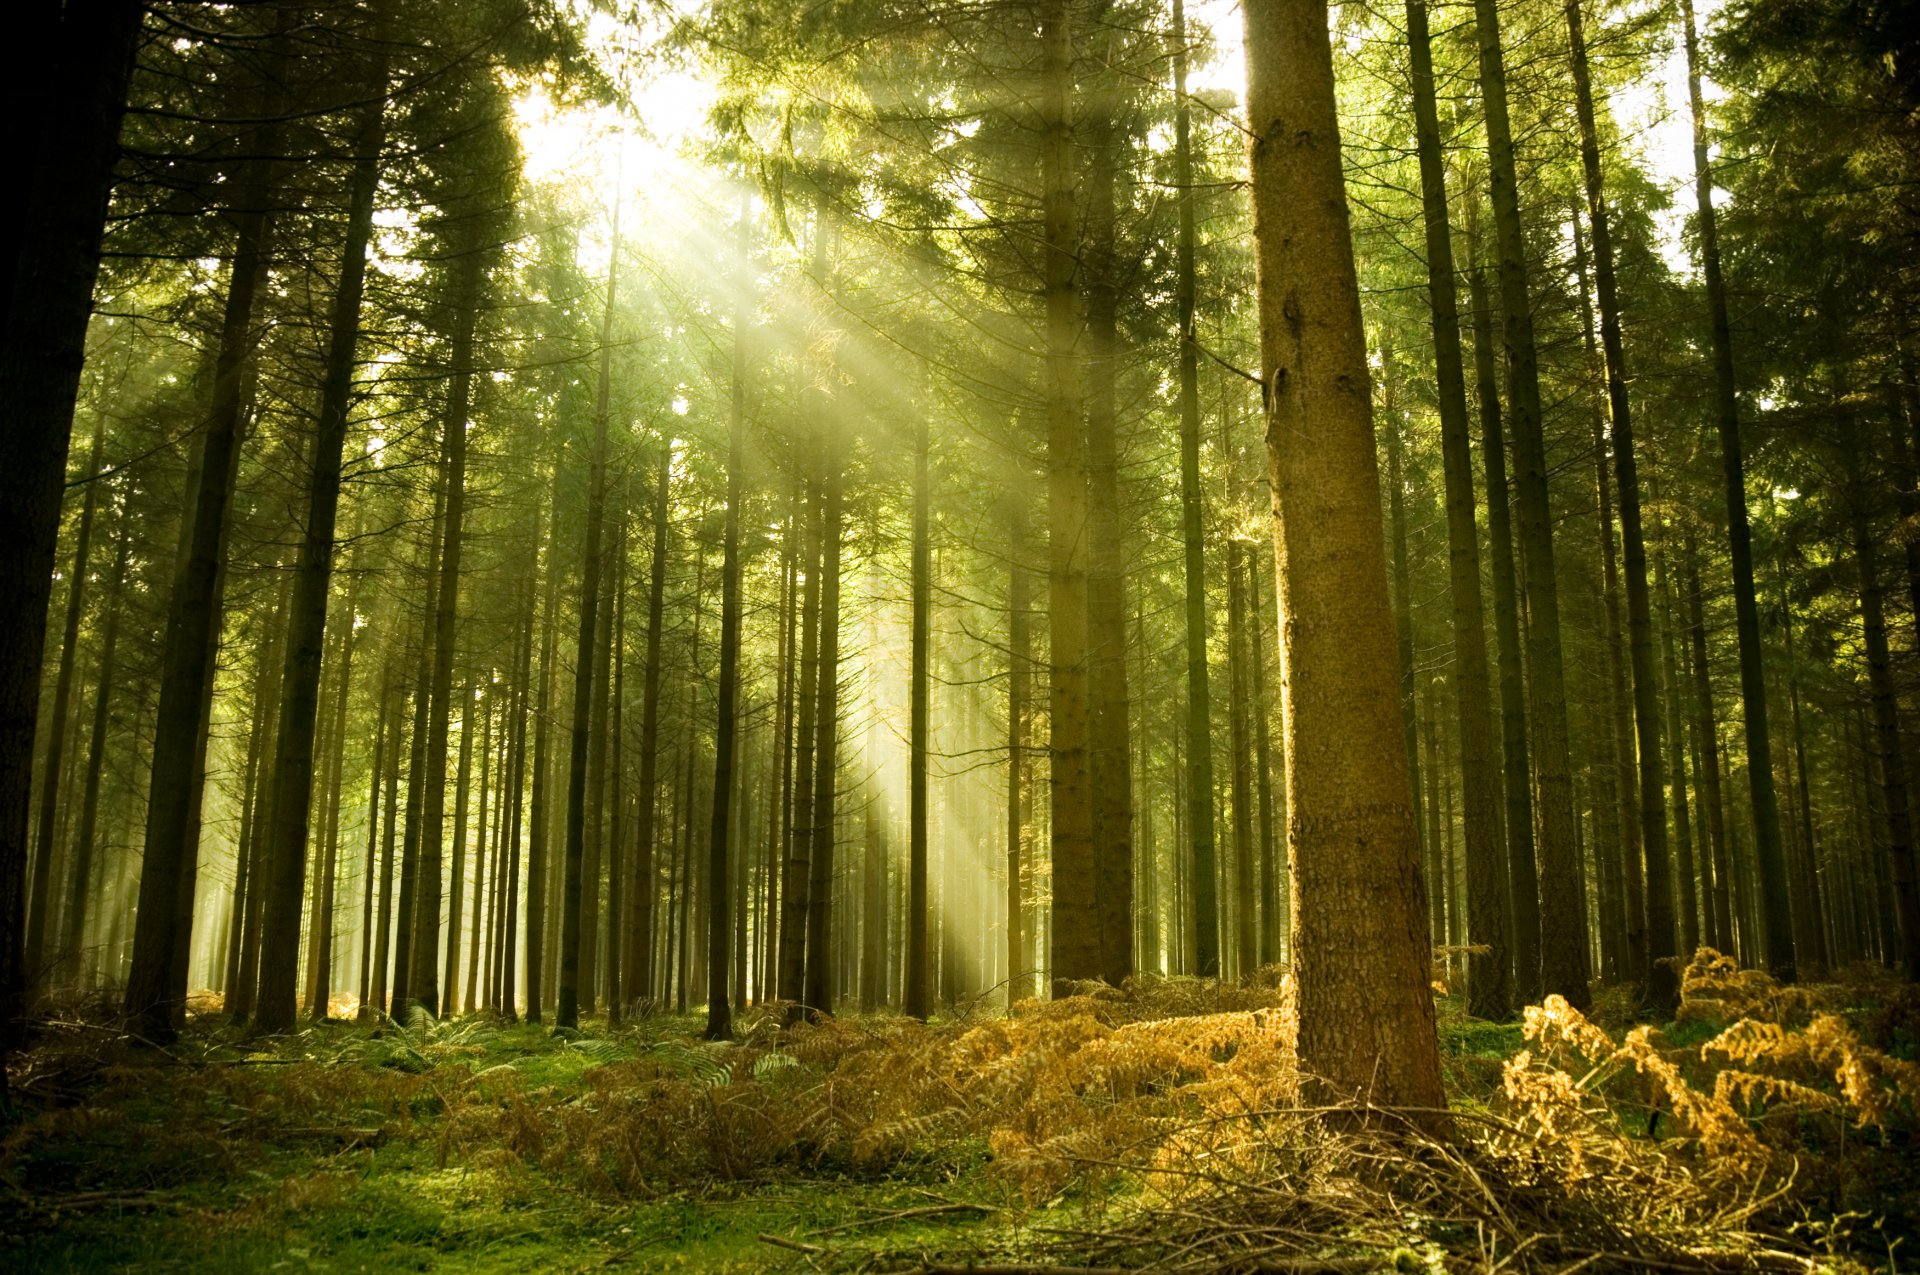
(916, 1002)
(817, 991)
(403, 928)
(1245, 928)
(1272, 859)
(1109, 757)
(1361, 947)
(538, 817)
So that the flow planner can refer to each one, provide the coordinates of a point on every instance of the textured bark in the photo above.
(1776, 913)
(1361, 952)
(307, 616)
(1490, 977)
(1563, 920)
(817, 991)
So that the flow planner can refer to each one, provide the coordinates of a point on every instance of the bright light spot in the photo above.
(680, 405)
(1786, 493)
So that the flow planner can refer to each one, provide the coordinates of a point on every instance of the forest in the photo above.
(999, 636)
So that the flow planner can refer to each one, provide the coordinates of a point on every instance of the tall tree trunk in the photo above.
(53, 765)
(374, 779)
(1245, 928)
(1563, 921)
(1272, 860)
(1076, 920)
(320, 938)
(917, 997)
(567, 1012)
(1685, 867)
(49, 300)
(1109, 752)
(640, 893)
(538, 816)
(1708, 741)
(404, 952)
(1523, 882)
(720, 829)
(1777, 915)
(192, 634)
(817, 994)
(87, 833)
(1662, 979)
(1361, 953)
(1403, 644)
(1887, 744)
(1199, 724)
(1490, 981)
(1019, 676)
(795, 883)
(307, 616)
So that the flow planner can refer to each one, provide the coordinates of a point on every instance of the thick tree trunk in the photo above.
(49, 301)
(1366, 1026)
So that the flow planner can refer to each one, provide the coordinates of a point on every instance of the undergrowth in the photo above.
(1157, 1126)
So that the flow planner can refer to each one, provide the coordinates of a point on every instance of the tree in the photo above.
(1359, 906)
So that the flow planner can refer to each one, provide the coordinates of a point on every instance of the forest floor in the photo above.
(1156, 1128)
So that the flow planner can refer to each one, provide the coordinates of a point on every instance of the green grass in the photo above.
(328, 1152)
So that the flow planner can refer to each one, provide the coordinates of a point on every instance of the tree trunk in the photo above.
(640, 893)
(1662, 979)
(720, 829)
(567, 1013)
(1490, 982)
(1019, 675)
(817, 994)
(1199, 723)
(1707, 740)
(1563, 921)
(53, 765)
(1076, 919)
(1753, 681)
(307, 616)
(1366, 1026)
(186, 685)
(1523, 882)
(49, 301)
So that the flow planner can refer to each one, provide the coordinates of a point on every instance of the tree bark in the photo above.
(1366, 1026)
